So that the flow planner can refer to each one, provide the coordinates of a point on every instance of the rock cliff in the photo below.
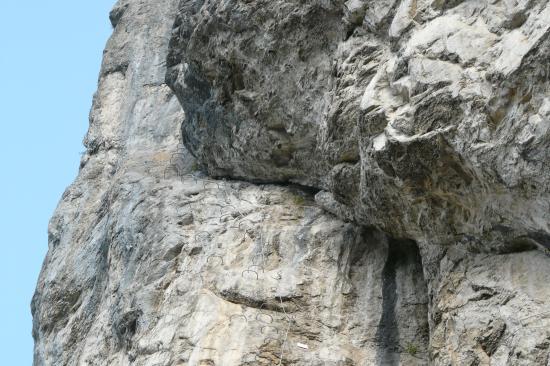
(318, 182)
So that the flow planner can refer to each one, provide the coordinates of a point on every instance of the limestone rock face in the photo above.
(427, 119)
(309, 183)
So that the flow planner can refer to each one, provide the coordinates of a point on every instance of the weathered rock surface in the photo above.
(352, 183)
(427, 119)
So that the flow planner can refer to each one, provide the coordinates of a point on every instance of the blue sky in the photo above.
(50, 53)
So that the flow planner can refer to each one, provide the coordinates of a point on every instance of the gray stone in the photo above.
(439, 108)
(352, 183)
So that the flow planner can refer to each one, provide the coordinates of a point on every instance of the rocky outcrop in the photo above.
(308, 183)
(427, 119)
